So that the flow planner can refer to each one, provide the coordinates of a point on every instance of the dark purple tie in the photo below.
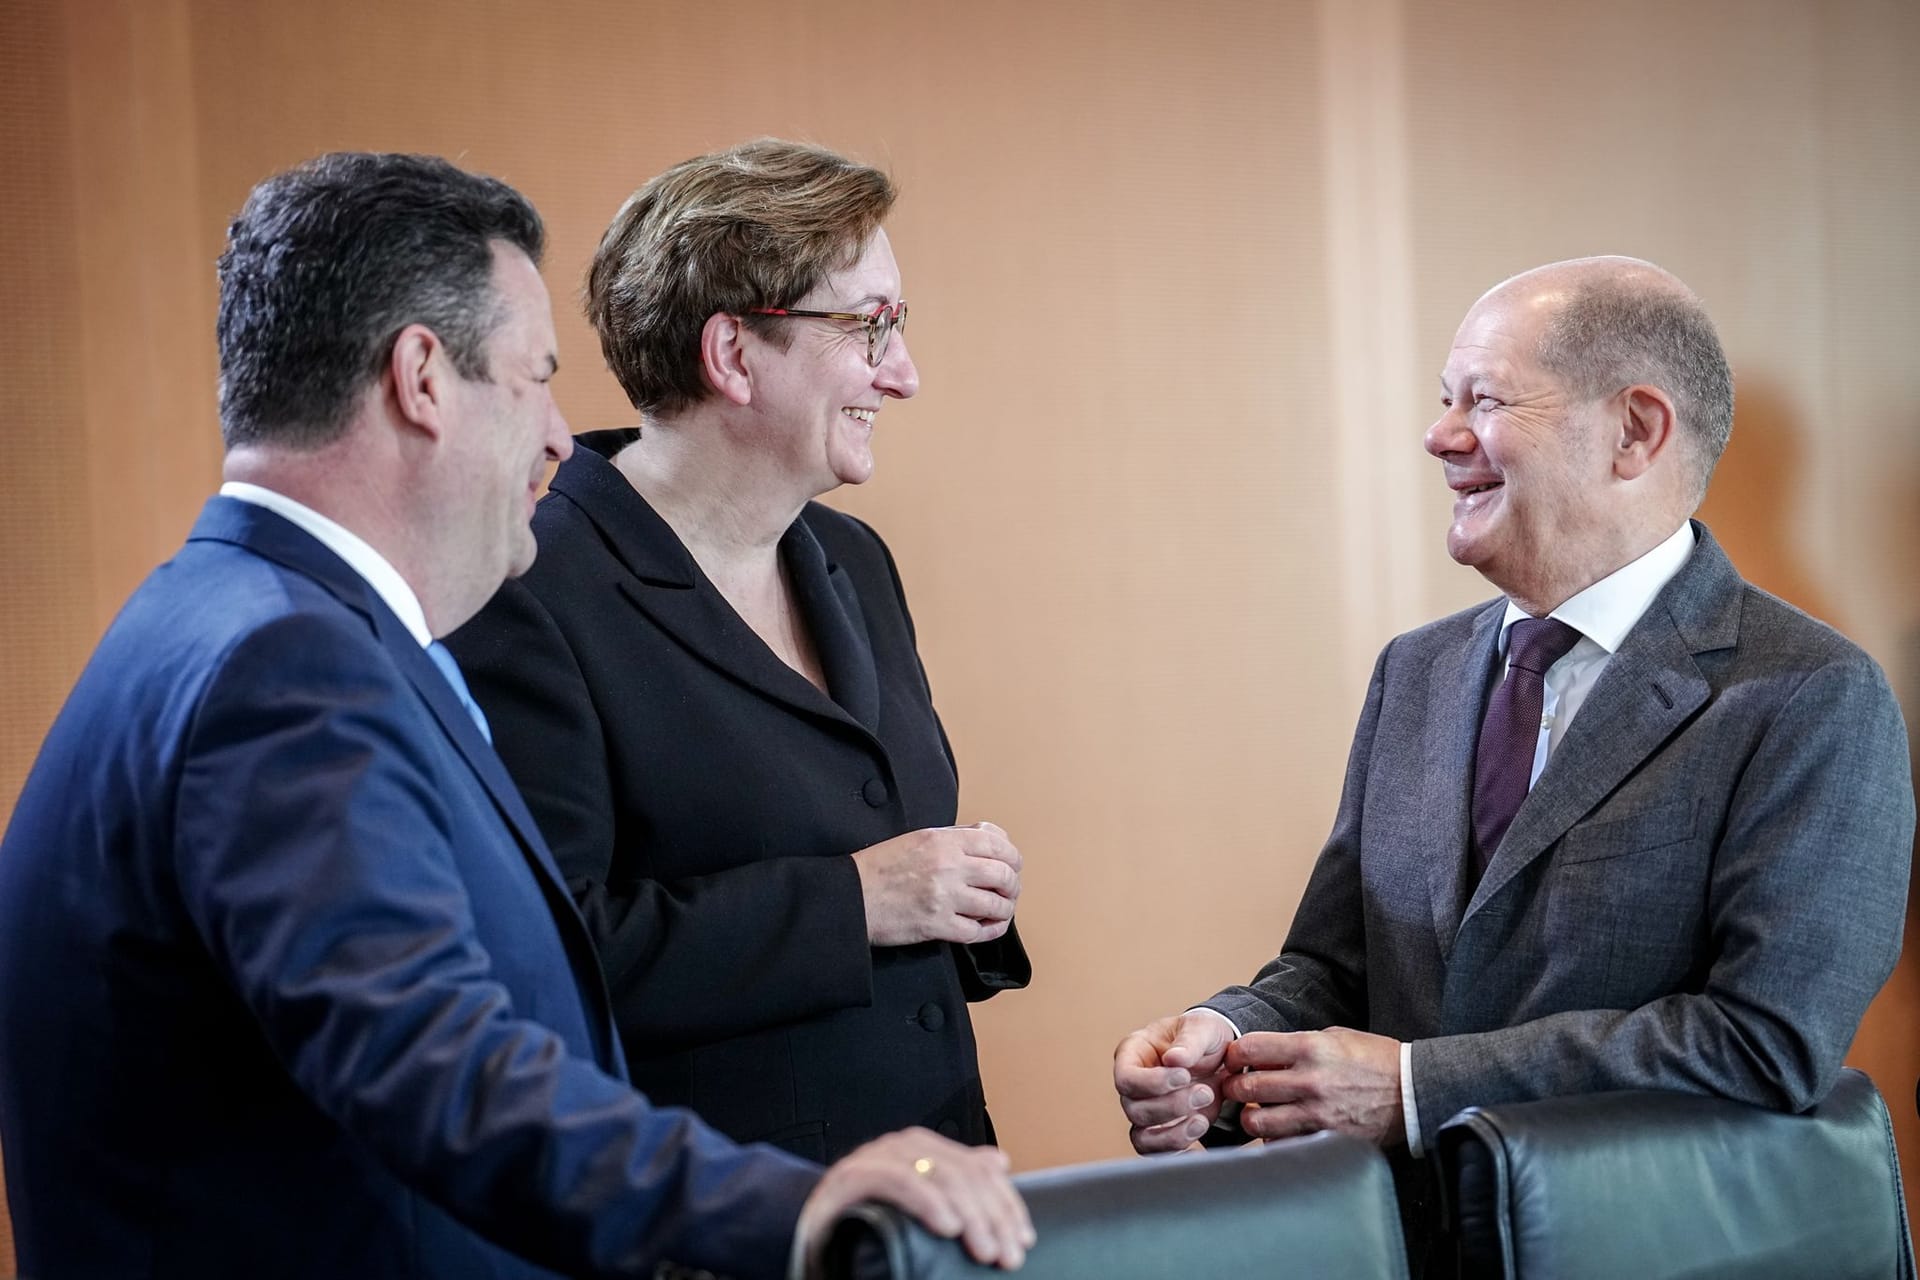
(1503, 763)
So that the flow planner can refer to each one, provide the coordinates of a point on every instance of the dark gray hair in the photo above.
(1614, 331)
(328, 262)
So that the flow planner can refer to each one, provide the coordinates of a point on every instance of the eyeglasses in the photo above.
(879, 323)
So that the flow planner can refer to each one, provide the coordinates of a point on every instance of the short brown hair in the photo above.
(759, 225)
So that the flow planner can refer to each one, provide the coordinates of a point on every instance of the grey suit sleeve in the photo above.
(1319, 978)
(1805, 905)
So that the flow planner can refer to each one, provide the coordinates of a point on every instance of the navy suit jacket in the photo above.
(289, 984)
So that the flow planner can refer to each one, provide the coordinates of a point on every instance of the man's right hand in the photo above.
(1168, 1075)
(952, 1190)
(939, 884)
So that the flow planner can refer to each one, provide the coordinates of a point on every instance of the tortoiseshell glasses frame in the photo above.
(880, 323)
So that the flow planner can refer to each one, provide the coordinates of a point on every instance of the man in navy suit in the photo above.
(289, 985)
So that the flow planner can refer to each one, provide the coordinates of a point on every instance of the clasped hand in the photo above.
(953, 1190)
(940, 884)
(1173, 1074)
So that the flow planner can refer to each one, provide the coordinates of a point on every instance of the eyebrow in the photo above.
(1472, 374)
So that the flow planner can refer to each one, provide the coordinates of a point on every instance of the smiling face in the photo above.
(1527, 460)
(820, 397)
(509, 428)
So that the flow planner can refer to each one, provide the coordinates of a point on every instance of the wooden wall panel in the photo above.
(1181, 277)
(46, 565)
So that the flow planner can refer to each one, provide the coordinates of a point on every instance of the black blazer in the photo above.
(702, 799)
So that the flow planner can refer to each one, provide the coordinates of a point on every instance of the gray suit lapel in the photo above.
(1457, 693)
(1651, 687)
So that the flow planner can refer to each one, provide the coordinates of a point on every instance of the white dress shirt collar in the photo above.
(349, 546)
(1608, 609)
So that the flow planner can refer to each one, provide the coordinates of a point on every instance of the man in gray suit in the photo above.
(1636, 825)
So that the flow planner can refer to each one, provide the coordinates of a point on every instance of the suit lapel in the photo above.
(474, 749)
(267, 534)
(286, 544)
(832, 609)
(1650, 688)
(670, 589)
(1457, 692)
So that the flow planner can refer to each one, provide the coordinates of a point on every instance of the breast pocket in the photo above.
(1626, 904)
(1655, 828)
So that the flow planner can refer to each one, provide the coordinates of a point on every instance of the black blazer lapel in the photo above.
(1457, 695)
(1651, 687)
(832, 609)
(668, 586)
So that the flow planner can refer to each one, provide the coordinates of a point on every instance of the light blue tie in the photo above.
(443, 659)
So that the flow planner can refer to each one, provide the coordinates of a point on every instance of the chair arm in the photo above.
(1319, 1206)
(1649, 1184)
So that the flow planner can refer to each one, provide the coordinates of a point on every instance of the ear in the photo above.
(723, 357)
(1648, 430)
(422, 374)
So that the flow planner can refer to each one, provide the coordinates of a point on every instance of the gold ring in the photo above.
(923, 1166)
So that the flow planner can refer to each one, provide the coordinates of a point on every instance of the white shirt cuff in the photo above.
(1201, 1008)
(1406, 1099)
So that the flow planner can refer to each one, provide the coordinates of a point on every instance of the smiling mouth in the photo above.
(860, 415)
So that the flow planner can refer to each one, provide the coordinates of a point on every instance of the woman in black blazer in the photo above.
(708, 691)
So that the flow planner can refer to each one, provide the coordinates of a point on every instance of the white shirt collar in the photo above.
(349, 546)
(1608, 609)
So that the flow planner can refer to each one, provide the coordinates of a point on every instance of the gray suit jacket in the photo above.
(1702, 892)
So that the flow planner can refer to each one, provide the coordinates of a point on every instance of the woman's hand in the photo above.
(939, 884)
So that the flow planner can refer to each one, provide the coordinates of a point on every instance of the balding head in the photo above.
(1612, 322)
(1584, 404)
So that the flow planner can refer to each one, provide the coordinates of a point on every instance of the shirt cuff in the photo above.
(1407, 1106)
(1231, 1025)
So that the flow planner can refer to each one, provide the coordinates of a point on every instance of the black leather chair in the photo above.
(1649, 1185)
(1319, 1207)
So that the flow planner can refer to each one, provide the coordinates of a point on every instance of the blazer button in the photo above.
(932, 1016)
(948, 1128)
(875, 792)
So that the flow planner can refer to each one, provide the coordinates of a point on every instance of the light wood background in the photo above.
(1182, 277)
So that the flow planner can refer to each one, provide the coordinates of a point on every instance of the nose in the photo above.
(559, 440)
(895, 374)
(1450, 434)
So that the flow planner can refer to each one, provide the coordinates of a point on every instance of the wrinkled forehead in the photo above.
(1503, 329)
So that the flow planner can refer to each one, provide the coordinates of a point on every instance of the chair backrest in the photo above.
(1320, 1206)
(1649, 1185)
